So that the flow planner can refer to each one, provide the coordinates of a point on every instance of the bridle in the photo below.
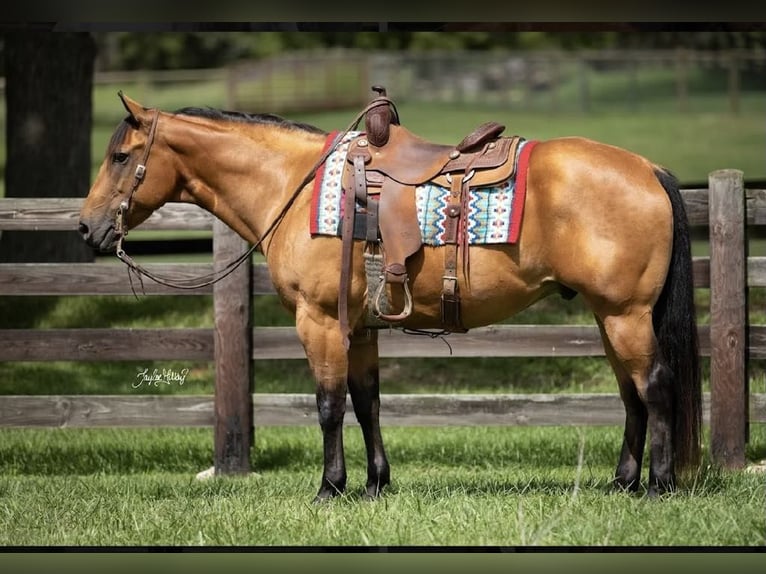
(138, 177)
(215, 276)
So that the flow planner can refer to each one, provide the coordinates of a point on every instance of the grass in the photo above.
(455, 487)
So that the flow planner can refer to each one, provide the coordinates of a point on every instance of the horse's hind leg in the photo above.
(628, 473)
(364, 387)
(633, 345)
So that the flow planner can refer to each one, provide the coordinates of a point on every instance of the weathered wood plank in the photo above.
(698, 212)
(499, 341)
(98, 411)
(64, 214)
(756, 206)
(696, 203)
(232, 303)
(283, 343)
(728, 316)
(110, 279)
(701, 271)
(757, 341)
(756, 271)
(493, 341)
(105, 411)
(105, 344)
(95, 279)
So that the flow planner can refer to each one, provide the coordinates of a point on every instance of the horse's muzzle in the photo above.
(104, 238)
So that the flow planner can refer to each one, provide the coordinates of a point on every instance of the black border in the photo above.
(226, 15)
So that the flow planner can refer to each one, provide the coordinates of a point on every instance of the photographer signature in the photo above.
(155, 377)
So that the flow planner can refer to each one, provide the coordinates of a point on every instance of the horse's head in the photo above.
(132, 182)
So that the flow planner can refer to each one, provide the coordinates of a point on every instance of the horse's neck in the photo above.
(244, 174)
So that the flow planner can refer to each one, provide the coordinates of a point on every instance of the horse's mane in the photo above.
(225, 115)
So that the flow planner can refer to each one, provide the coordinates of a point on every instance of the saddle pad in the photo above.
(327, 198)
(494, 213)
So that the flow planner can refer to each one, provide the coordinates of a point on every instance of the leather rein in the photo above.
(231, 266)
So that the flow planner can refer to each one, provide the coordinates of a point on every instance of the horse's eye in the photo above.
(119, 157)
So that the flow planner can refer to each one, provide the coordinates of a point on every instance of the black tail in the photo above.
(675, 323)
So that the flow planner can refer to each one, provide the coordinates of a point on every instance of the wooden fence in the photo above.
(726, 209)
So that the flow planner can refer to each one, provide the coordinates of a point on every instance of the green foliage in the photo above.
(184, 50)
(205, 49)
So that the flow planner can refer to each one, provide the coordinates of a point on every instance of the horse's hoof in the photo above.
(653, 494)
(326, 493)
(657, 491)
(622, 485)
(322, 497)
(372, 493)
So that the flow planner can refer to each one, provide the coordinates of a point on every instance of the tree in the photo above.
(48, 94)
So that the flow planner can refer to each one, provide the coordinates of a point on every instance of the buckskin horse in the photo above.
(599, 221)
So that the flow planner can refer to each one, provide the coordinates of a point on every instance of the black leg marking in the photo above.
(332, 408)
(659, 405)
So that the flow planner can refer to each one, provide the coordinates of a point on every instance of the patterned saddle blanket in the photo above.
(494, 213)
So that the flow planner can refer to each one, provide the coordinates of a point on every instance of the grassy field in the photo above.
(451, 487)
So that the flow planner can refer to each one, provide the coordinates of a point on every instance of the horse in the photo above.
(599, 221)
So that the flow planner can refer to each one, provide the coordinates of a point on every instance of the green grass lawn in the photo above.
(545, 486)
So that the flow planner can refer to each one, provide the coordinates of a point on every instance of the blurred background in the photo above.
(693, 100)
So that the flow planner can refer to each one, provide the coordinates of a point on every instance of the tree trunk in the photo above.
(49, 81)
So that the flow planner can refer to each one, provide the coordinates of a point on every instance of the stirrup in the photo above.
(406, 312)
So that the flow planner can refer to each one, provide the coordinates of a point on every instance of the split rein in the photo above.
(205, 280)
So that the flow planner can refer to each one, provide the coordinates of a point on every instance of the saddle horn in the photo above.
(378, 120)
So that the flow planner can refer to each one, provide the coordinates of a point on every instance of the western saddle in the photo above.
(384, 166)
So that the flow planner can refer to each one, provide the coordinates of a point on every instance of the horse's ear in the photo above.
(134, 108)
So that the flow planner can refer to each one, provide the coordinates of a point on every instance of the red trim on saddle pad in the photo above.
(520, 192)
(318, 184)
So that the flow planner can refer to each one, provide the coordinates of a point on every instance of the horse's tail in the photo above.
(675, 324)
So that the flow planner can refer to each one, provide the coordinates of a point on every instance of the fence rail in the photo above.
(80, 411)
(725, 208)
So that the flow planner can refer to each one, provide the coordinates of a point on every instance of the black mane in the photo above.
(269, 119)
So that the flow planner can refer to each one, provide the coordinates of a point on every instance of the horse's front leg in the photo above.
(327, 358)
(364, 386)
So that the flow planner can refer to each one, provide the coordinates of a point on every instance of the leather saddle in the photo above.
(384, 166)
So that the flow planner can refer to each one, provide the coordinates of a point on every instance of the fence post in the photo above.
(233, 355)
(728, 318)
